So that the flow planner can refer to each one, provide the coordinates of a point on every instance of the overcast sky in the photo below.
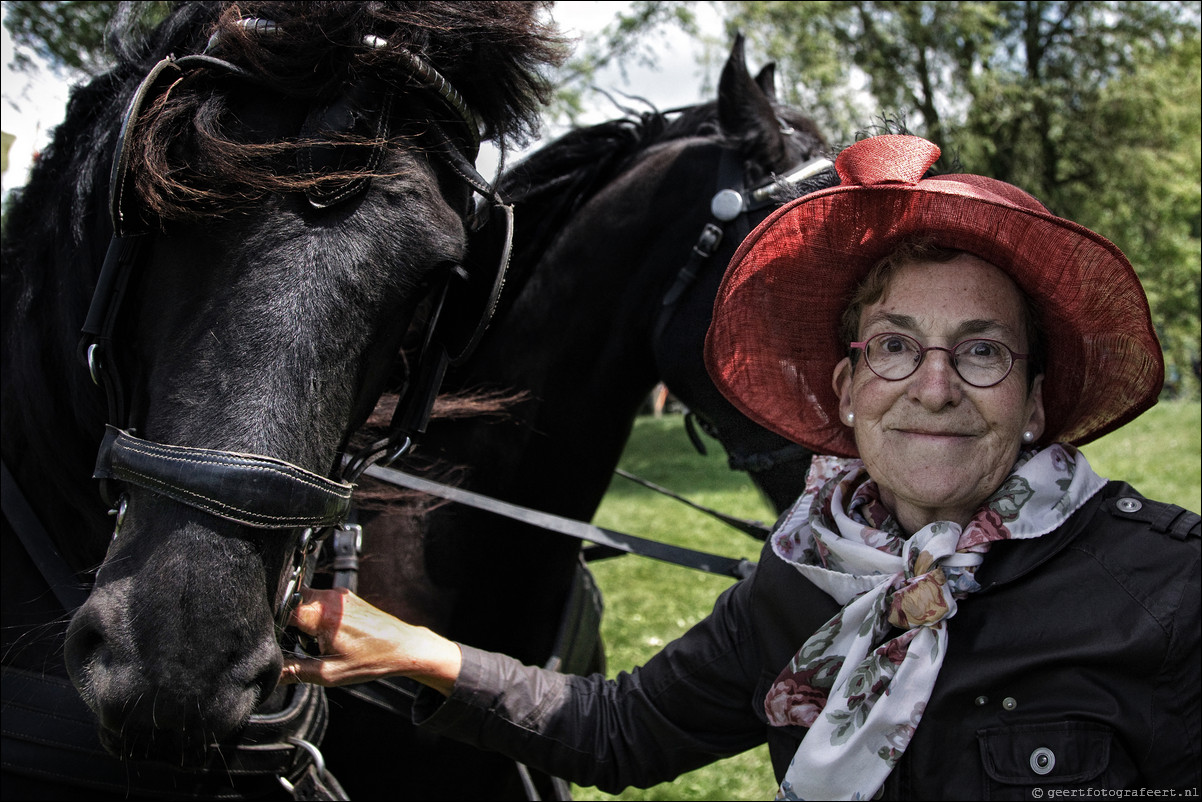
(33, 105)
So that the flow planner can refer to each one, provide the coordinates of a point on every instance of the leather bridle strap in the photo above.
(248, 489)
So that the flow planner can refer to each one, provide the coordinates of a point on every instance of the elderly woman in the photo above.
(960, 607)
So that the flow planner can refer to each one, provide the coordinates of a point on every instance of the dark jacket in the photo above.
(1079, 658)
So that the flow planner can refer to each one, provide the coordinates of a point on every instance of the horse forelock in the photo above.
(493, 54)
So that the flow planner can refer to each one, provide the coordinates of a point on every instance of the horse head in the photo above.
(778, 151)
(290, 183)
(602, 300)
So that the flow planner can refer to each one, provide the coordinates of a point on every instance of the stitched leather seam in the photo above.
(342, 492)
(244, 516)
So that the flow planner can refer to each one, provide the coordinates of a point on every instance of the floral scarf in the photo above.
(860, 693)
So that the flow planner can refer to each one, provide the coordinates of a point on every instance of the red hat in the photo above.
(774, 341)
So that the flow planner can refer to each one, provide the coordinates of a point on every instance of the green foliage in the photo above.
(1146, 196)
(648, 603)
(625, 41)
(70, 35)
(1093, 107)
(6, 143)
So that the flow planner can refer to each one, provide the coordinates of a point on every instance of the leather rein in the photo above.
(736, 209)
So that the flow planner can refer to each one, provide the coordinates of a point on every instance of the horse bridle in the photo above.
(735, 209)
(262, 491)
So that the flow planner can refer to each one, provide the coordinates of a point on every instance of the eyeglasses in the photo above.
(981, 363)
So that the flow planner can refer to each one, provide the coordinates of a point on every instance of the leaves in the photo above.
(1093, 107)
(69, 35)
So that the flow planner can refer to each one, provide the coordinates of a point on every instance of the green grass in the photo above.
(1157, 453)
(648, 603)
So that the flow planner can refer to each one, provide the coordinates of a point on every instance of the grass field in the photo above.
(648, 603)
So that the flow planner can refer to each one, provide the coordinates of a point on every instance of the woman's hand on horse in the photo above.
(359, 642)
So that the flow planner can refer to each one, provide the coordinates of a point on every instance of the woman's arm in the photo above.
(359, 642)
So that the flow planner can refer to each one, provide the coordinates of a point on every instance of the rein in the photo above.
(614, 542)
(731, 209)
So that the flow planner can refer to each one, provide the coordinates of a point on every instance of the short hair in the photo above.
(924, 249)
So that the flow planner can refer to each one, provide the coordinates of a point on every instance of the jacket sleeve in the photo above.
(689, 705)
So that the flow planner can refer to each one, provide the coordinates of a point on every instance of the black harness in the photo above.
(735, 209)
(732, 208)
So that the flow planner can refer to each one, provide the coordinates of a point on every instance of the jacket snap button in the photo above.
(980, 700)
(1129, 504)
(1043, 760)
(1009, 703)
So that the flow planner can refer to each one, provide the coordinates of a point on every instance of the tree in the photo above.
(70, 36)
(1093, 107)
(1145, 193)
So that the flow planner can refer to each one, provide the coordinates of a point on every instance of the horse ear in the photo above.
(766, 81)
(743, 105)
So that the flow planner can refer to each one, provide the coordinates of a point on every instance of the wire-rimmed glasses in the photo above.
(979, 362)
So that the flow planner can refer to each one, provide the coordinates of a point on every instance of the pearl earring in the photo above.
(851, 416)
(1028, 437)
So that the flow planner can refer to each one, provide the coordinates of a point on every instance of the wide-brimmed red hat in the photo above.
(774, 341)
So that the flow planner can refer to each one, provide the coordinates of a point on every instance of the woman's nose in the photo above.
(936, 383)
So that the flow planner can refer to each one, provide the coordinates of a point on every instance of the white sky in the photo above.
(33, 105)
(30, 108)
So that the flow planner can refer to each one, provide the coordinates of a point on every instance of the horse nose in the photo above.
(156, 695)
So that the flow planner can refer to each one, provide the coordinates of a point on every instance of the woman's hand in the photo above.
(359, 642)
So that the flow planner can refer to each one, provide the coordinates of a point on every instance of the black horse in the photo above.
(616, 266)
(285, 184)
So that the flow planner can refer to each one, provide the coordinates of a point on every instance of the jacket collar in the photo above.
(1009, 560)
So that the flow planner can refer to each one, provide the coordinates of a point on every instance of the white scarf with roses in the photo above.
(862, 695)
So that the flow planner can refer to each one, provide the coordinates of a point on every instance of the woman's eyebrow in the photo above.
(978, 327)
(968, 328)
(893, 319)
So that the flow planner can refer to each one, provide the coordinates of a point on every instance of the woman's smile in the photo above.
(938, 446)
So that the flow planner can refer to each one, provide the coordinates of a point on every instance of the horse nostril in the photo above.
(84, 647)
(267, 680)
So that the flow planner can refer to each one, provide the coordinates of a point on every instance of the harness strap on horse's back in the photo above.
(52, 565)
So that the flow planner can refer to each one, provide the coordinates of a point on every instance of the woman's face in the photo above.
(937, 446)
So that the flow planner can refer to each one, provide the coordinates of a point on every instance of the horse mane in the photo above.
(549, 185)
(492, 53)
(565, 173)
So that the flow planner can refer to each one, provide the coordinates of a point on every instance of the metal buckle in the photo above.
(291, 597)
